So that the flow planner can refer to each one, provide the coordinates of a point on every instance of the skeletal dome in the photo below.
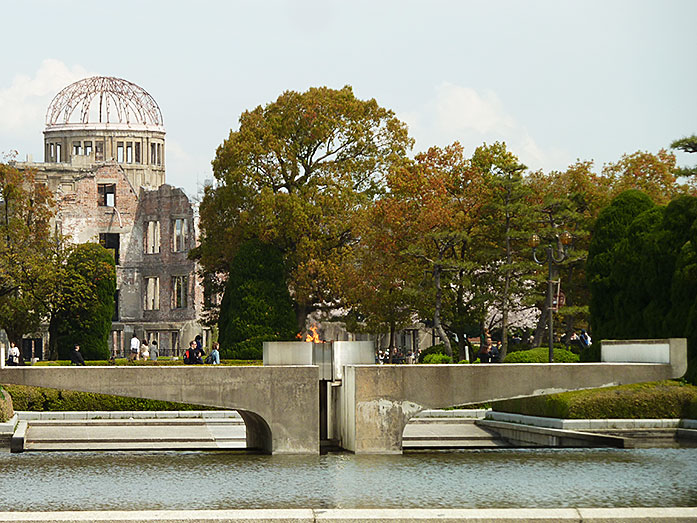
(104, 101)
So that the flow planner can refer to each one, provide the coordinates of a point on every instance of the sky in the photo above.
(556, 80)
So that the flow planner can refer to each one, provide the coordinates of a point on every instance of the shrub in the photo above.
(541, 355)
(463, 362)
(6, 407)
(433, 349)
(590, 354)
(437, 359)
(663, 399)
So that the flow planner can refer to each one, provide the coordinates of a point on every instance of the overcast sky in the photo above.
(556, 80)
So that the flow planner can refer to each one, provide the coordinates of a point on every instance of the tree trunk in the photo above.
(52, 340)
(540, 329)
(506, 291)
(391, 346)
(436, 315)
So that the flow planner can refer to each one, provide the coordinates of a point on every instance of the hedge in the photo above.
(437, 359)
(662, 399)
(43, 399)
(6, 409)
(541, 355)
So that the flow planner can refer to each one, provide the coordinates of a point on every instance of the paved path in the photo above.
(563, 515)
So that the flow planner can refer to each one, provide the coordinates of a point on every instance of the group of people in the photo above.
(194, 355)
(141, 350)
(488, 352)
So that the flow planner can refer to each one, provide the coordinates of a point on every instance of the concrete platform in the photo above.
(450, 432)
(134, 434)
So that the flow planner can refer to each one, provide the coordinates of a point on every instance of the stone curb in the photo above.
(7, 428)
(564, 515)
(588, 424)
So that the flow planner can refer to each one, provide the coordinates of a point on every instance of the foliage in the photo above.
(86, 303)
(433, 349)
(437, 359)
(6, 406)
(687, 144)
(292, 176)
(590, 354)
(663, 399)
(43, 399)
(256, 306)
(643, 271)
(541, 355)
(26, 247)
(509, 219)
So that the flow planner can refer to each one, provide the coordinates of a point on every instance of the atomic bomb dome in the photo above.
(107, 119)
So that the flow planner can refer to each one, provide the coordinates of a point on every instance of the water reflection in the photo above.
(471, 479)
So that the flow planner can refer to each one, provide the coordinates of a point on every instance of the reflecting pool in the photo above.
(468, 479)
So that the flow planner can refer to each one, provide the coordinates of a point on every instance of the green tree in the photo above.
(293, 175)
(26, 244)
(85, 304)
(509, 219)
(609, 230)
(256, 306)
(687, 144)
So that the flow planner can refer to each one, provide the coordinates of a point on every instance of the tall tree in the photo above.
(436, 201)
(508, 221)
(293, 175)
(256, 306)
(26, 267)
(85, 305)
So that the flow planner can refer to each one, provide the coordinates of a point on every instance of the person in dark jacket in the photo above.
(75, 356)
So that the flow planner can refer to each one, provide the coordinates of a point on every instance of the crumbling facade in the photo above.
(104, 161)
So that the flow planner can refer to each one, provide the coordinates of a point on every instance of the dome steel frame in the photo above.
(128, 102)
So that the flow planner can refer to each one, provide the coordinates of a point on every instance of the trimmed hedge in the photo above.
(43, 399)
(541, 355)
(662, 399)
(437, 359)
(433, 349)
(6, 408)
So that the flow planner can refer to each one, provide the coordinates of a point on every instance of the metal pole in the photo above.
(550, 312)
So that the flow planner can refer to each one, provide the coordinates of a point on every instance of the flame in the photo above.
(315, 335)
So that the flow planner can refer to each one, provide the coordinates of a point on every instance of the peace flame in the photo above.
(311, 336)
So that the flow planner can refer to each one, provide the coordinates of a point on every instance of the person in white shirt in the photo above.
(135, 348)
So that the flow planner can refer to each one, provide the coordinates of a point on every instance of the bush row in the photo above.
(663, 399)
(541, 355)
(43, 399)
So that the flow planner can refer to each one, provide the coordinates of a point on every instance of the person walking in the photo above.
(13, 355)
(135, 348)
(144, 350)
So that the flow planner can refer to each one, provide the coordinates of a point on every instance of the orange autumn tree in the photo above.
(434, 203)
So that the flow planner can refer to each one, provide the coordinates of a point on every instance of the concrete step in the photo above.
(440, 433)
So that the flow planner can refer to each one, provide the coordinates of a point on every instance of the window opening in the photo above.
(129, 152)
(88, 148)
(77, 148)
(179, 237)
(137, 152)
(110, 241)
(152, 294)
(106, 194)
(58, 152)
(119, 152)
(99, 150)
(179, 288)
(152, 237)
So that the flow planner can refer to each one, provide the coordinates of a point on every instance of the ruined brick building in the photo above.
(104, 159)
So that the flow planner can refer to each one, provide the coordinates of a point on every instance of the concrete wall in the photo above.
(280, 405)
(379, 400)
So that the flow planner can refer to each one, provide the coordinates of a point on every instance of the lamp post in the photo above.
(550, 259)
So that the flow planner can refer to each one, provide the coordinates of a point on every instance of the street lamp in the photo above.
(550, 259)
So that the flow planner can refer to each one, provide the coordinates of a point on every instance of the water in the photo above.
(470, 479)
